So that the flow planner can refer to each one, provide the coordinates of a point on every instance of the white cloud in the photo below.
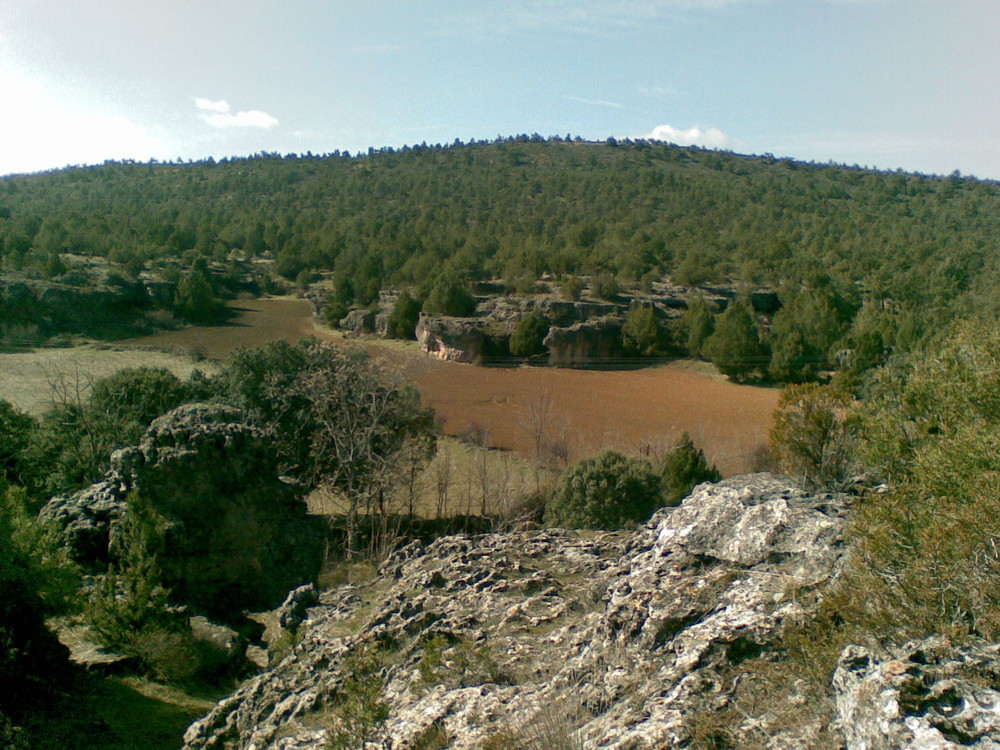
(40, 130)
(211, 106)
(709, 138)
(595, 102)
(252, 118)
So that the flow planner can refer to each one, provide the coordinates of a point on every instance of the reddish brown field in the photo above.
(581, 410)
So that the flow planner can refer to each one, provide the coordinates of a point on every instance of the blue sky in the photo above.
(912, 84)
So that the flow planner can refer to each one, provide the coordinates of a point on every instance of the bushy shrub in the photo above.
(642, 333)
(925, 559)
(810, 437)
(526, 341)
(735, 346)
(402, 322)
(684, 467)
(36, 581)
(450, 296)
(604, 286)
(572, 287)
(608, 491)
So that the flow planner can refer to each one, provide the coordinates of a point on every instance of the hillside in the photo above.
(520, 207)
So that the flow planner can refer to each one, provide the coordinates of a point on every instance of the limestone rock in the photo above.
(585, 342)
(452, 339)
(358, 322)
(925, 695)
(235, 536)
(611, 639)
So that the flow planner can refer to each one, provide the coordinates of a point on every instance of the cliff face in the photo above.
(612, 638)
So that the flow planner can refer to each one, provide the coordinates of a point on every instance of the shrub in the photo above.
(450, 296)
(526, 341)
(36, 581)
(608, 491)
(810, 437)
(16, 428)
(698, 324)
(604, 286)
(735, 346)
(642, 333)
(402, 321)
(360, 710)
(683, 468)
(572, 287)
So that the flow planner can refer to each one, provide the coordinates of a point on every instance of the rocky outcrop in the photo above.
(372, 322)
(584, 343)
(234, 534)
(611, 639)
(926, 695)
(452, 339)
(510, 309)
(358, 322)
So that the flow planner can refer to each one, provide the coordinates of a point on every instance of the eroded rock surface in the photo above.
(234, 535)
(585, 342)
(612, 638)
(452, 339)
(926, 695)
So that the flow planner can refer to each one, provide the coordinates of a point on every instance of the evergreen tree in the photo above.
(402, 321)
(698, 324)
(450, 296)
(683, 468)
(526, 341)
(607, 491)
(642, 333)
(735, 347)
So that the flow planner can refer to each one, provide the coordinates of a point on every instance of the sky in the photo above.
(910, 84)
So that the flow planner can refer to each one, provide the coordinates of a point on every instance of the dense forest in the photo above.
(917, 250)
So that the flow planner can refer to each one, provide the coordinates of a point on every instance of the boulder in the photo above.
(585, 343)
(233, 534)
(605, 640)
(452, 339)
(358, 322)
(925, 695)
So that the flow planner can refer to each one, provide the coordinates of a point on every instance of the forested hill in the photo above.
(525, 206)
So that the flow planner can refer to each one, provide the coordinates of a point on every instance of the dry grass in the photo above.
(27, 378)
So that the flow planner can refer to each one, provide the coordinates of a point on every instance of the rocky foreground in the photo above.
(550, 639)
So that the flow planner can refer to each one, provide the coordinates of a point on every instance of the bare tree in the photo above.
(358, 420)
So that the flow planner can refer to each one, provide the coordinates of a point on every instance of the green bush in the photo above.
(642, 333)
(16, 428)
(36, 581)
(402, 322)
(450, 296)
(604, 286)
(810, 437)
(608, 491)
(698, 325)
(735, 346)
(684, 467)
(526, 341)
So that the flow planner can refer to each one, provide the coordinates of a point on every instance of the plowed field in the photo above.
(575, 412)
